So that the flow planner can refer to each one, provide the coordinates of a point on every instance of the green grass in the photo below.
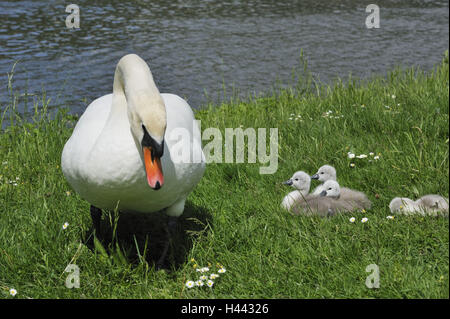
(234, 217)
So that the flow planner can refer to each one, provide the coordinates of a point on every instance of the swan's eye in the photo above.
(329, 189)
(296, 179)
(321, 172)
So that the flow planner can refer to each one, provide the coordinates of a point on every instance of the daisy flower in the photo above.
(364, 220)
(210, 283)
(352, 220)
(352, 164)
(393, 96)
(12, 292)
(361, 156)
(68, 193)
(204, 269)
(376, 157)
(199, 283)
(390, 217)
(213, 276)
(203, 277)
(350, 155)
(371, 153)
(65, 225)
(221, 270)
(190, 284)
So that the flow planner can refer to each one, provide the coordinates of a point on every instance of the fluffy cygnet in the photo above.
(301, 182)
(326, 173)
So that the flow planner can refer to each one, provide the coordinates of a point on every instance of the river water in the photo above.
(201, 50)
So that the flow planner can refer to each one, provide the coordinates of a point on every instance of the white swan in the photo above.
(301, 182)
(122, 150)
(326, 173)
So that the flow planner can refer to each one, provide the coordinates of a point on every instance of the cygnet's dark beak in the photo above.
(323, 193)
(289, 182)
(315, 176)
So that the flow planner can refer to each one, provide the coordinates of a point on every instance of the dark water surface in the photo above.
(194, 47)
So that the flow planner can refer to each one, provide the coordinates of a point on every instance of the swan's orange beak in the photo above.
(153, 169)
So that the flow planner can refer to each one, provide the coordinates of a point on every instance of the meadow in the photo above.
(233, 220)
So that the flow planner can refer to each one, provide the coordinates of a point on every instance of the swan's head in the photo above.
(300, 181)
(331, 189)
(325, 173)
(148, 125)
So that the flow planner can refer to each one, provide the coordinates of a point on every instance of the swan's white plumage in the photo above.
(103, 161)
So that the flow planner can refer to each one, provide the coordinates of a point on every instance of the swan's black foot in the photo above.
(96, 215)
(170, 230)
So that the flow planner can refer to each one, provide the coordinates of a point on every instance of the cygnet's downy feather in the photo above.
(356, 198)
(328, 203)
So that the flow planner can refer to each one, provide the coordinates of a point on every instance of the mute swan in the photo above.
(300, 181)
(433, 203)
(403, 205)
(120, 152)
(328, 203)
(428, 204)
(327, 172)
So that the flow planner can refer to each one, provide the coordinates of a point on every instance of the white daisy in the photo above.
(221, 270)
(364, 220)
(210, 283)
(351, 155)
(352, 220)
(213, 276)
(12, 292)
(190, 284)
(65, 225)
(204, 269)
(376, 157)
(361, 156)
(390, 217)
(199, 283)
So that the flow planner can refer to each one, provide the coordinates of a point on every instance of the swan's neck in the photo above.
(135, 90)
(133, 77)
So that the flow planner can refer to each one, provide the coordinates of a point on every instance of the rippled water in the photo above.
(195, 47)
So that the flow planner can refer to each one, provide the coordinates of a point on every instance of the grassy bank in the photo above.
(233, 218)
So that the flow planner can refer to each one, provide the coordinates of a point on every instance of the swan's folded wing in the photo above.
(359, 199)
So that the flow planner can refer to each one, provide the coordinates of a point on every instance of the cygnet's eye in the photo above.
(329, 189)
(296, 179)
(321, 172)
